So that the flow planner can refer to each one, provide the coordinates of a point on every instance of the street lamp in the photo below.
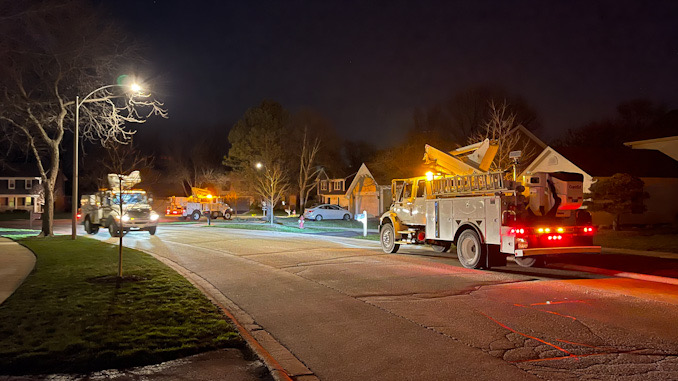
(78, 102)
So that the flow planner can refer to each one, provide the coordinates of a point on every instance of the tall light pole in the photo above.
(76, 134)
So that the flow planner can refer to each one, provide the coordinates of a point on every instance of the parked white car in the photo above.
(327, 212)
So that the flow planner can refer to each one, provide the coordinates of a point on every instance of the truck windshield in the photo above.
(130, 198)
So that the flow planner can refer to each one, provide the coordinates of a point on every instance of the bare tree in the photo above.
(271, 185)
(308, 171)
(501, 127)
(42, 70)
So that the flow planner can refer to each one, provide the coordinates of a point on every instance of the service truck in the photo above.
(201, 203)
(103, 208)
(486, 215)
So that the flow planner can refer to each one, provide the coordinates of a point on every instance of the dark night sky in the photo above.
(366, 65)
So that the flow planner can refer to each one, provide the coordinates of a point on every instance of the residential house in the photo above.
(333, 191)
(658, 171)
(368, 192)
(21, 191)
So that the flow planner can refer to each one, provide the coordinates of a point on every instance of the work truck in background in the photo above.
(200, 203)
(487, 216)
(103, 208)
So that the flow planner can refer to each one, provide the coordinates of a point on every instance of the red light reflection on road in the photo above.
(547, 311)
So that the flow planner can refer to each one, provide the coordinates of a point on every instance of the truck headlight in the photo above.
(125, 218)
(154, 216)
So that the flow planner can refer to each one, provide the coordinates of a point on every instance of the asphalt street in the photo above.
(347, 311)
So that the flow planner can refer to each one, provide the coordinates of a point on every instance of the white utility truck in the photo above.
(200, 203)
(487, 216)
(103, 209)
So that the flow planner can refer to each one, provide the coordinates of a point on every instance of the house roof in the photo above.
(364, 171)
(19, 170)
(604, 162)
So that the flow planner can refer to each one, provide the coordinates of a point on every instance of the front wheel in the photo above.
(113, 229)
(387, 238)
(470, 250)
(227, 215)
(151, 230)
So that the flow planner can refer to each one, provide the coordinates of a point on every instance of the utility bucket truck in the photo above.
(103, 209)
(200, 203)
(486, 216)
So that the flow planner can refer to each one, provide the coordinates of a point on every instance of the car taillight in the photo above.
(310, 210)
(78, 215)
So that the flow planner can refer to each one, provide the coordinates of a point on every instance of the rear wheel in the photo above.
(470, 250)
(438, 248)
(215, 215)
(387, 238)
(195, 216)
(529, 261)
(318, 217)
(347, 217)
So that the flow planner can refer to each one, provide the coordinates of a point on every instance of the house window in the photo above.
(3, 201)
(29, 201)
(323, 185)
(29, 184)
(337, 185)
(12, 184)
(11, 202)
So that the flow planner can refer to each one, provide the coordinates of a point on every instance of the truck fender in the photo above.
(391, 218)
(468, 225)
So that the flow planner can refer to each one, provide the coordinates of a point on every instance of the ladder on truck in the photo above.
(477, 183)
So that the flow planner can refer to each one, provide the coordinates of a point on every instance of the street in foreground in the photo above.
(350, 312)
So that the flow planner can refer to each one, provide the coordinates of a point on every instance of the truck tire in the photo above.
(529, 261)
(387, 239)
(214, 215)
(195, 216)
(151, 230)
(113, 229)
(227, 215)
(90, 228)
(470, 250)
(441, 247)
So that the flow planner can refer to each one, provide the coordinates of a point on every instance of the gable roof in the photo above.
(605, 162)
(362, 172)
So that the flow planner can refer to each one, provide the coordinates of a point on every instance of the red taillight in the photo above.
(167, 211)
(310, 210)
(78, 215)
(517, 231)
(555, 237)
(588, 229)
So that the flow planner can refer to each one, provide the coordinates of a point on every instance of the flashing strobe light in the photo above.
(429, 176)
(560, 230)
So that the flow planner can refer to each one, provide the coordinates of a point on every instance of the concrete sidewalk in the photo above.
(16, 262)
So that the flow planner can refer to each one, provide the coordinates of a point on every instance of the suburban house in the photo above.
(333, 191)
(21, 191)
(658, 171)
(368, 192)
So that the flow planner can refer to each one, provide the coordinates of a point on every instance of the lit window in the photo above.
(12, 184)
(11, 202)
(323, 185)
(29, 183)
(337, 185)
(29, 201)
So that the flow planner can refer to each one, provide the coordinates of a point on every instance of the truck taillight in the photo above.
(588, 230)
(517, 231)
(555, 237)
(167, 211)
(78, 215)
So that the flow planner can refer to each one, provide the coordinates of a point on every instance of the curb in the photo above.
(644, 253)
(618, 274)
(247, 330)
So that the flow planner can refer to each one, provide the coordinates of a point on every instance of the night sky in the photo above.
(366, 65)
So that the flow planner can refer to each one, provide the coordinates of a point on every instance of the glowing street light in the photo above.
(259, 165)
(134, 87)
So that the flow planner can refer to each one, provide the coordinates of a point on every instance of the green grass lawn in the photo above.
(646, 239)
(69, 316)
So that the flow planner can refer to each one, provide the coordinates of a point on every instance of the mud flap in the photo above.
(493, 257)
